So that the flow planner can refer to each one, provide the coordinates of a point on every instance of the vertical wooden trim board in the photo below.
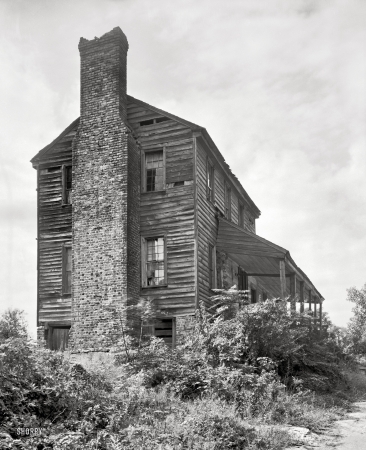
(195, 207)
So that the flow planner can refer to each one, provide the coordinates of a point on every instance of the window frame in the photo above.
(65, 249)
(144, 238)
(143, 169)
(66, 193)
(227, 200)
(210, 176)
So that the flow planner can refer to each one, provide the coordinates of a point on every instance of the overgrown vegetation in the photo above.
(242, 377)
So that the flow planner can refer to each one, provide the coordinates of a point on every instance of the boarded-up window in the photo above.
(66, 185)
(66, 270)
(227, 201)
(210, 181)
(154, 171)
(58, 337)
(153, 261)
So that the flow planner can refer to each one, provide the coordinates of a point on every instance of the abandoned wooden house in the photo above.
(136, 202)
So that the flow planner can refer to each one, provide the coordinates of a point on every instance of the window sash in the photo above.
(154, 261)
(210, 180)
(153, 171)
(66, 185)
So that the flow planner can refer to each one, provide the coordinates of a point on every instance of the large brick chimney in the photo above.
(105, 199)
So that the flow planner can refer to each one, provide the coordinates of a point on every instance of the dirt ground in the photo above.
(347, 434)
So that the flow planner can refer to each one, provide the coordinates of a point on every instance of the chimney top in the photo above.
(113, 35)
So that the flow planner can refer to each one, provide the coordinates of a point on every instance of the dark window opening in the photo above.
(161, 119)
(241, 215)
(265, 296)
(66, 185)
(179, 183)
(253, 296)
(152, 121)
(210, 182)
(164, 329)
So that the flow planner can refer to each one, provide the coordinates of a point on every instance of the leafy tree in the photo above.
(357, 324)
(13, 324)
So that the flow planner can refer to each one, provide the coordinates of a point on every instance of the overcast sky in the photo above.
(280, 86)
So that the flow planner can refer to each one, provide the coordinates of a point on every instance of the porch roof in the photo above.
(260, 257)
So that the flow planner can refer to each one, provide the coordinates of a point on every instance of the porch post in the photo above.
(320, 313)
(301, 296)
(293, 291)
(315, 319)
(310, 294)
(283, 279)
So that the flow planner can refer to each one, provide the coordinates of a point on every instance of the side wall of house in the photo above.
(208, 225)
(170, 211)
(54, 231)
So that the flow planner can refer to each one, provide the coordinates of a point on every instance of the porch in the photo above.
(269, 266)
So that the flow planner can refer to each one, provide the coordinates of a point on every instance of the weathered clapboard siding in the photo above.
(206, 221)
(170, 211)
(208, 228)
(54, 230)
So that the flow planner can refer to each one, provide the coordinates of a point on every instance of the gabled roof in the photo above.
(44, 150)
(194, 127)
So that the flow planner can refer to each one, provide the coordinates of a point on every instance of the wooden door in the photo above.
(59, 338)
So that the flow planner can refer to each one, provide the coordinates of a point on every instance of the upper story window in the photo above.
(153, 261)
(154, 171)
(227, 201)
(241, 215)
(66, 270)
(66, 185)
(210, 180)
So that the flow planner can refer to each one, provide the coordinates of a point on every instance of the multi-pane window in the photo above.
(154, 171)
(212, 266)
(210, 182)
(66, 185)
(227, 202)
(154, 261)
(66, 270)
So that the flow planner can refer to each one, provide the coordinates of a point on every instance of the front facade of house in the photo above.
(136, 202)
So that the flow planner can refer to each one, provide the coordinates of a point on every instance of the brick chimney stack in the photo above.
(105, 199)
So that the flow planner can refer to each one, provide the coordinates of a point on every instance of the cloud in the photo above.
(280, 86)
